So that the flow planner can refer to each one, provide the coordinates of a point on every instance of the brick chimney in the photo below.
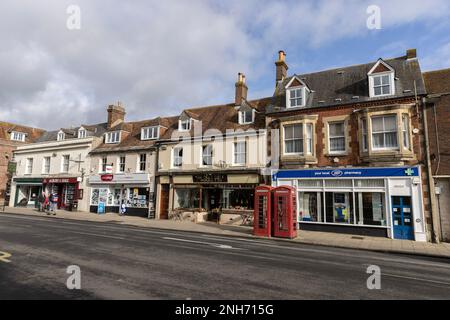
(411, 54)
(241, 90)
(116, 115)
(282, 67)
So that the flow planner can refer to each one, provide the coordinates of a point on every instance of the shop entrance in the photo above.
(164, 205)
(402, 218)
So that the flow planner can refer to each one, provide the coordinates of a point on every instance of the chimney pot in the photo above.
(282, 67)
(281, 55)
(411, 54)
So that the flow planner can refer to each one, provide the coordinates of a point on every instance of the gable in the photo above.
(380, 67)
(295, 83)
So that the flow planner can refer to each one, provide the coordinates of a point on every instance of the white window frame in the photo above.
(188, 123)
(102, 164)
(242, 119)
(381, 75)
(82, 133)
(63, 163)
(302, 124)
(288, 97)
(150, 133)
(210, 155)
(344, 136)
(61, 136)
(236, 153)
(140, 162)
(406, 132)
(18, 136)
(364, 134)
(29, 166)
(45, 166)
(113, 137)
(384, 132)
(176, 156)
(120, 163)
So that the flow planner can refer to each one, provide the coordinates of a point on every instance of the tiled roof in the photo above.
(96, 130)
(437, 81)
(32, 134)
(347, 85)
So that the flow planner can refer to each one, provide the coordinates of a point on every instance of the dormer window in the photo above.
(112, 137)
(150, 133)
(246, 116)
(296, 92)
(184, 125)
(18, 136)
(381, 80)
(61, 136)
(82, 133)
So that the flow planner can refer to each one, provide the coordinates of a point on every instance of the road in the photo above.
(125, 262)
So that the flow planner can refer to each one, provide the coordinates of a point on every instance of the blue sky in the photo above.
(159, 57)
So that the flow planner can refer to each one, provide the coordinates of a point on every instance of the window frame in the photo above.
(236, 153)
(372, 85)
(18, 136)
(64, 164)
(176, 157)
(146, 130)
(288, 97)
(103, 164)
(121, 164)
(29, 166)
(210, 155)
(384, 132)
(113, 134)
(45, 166)
(61, 136)
(344, 136)
(186, 121)
(82, 133)
(242, 117)
(142, 162)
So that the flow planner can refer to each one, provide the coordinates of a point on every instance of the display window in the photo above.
(187, 198)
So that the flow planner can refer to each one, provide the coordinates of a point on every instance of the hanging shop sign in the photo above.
(209, 177)
(107, 177)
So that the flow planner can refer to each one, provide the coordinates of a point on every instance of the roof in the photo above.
(437, 81)
(32, 134)
(219, 117)
(96, 130)
(347, 85)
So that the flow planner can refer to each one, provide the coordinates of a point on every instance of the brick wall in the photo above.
(6, 152)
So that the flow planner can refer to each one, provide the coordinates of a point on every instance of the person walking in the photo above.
(41, 200)
(53, 203)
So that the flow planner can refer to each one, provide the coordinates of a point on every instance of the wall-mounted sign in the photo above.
(109, 169)
(12, 166)
(107, 177)
(60, 180)
(209, 177)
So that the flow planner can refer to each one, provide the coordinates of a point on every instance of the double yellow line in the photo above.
(4, 257)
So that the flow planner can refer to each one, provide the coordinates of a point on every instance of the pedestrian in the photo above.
(53, 203)
(46, 203)
(123, 209)
(41, 200)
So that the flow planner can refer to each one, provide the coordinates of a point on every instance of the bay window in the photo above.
(298, 137)
(384, 132)
(405, 131)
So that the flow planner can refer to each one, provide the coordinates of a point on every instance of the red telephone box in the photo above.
(262, 218)
(284, 212)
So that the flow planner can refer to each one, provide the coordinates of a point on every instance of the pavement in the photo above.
(123, 261)
(304, 237)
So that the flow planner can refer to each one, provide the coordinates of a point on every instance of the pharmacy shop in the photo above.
(383, 202)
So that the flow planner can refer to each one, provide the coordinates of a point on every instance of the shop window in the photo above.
(207, 155)
(240, 153)
(138, 198)
(142, 162)
(177, 157)
(384, 132)
(336, 137)
(310, 183)
(339, 207)
(338, 183)
(293, 138)
(117, 197)
(370, 208)
(187, 198)
(369, 183)
(309, 206)
(238, 199)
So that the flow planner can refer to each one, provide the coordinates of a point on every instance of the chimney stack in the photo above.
(411, 54)
(241, 90)
(282, 67)
(116, 115)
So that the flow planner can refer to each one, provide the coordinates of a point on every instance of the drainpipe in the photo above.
(433, 207)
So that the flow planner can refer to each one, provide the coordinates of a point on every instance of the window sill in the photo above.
(336, 154)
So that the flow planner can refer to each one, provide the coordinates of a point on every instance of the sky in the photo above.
(62, 67)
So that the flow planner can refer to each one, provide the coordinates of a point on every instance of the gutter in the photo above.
(432, 194)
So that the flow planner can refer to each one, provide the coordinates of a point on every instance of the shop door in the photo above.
(164, 206)
(402, 218)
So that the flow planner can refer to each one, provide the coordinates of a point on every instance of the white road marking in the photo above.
(217, 245)
(415, 279)
(4, 257)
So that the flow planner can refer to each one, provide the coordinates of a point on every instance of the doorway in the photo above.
(164, 202)
(402, 218)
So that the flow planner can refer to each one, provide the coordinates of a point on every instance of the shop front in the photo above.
(385, 202)
(219, 195)
(67, 189)
(27, 191)
(110, 191)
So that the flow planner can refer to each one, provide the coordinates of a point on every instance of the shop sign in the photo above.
(107, 177)
(209, 177)
(12, 166)
(109, 169)
(347, 173)
(60, 180)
